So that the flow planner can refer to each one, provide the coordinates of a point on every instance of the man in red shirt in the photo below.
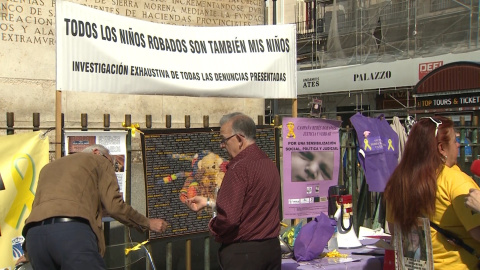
(248, 218)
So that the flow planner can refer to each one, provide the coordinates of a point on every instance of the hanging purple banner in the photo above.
(311, 161)
(378, 154)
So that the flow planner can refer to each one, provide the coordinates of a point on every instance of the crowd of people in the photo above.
(65, 228)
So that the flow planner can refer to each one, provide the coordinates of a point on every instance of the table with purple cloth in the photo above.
(369, 262)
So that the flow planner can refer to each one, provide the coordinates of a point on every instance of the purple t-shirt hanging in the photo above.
(378, 152)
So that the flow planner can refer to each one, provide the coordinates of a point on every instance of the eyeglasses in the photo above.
(437, 122)
(224, 140)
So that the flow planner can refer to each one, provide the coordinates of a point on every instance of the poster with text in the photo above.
(114, 141)
(182, 163)
(311, 160)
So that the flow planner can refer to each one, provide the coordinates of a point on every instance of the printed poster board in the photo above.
(414, 249)
(114, 141)
(182, 163)
(311, 160)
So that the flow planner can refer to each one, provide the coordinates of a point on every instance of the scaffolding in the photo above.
(333, 33)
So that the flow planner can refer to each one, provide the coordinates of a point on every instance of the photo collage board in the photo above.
(182, 163)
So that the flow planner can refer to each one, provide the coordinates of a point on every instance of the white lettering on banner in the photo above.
(380, 75)
(425, 68)
(440, 102)
(469, 100)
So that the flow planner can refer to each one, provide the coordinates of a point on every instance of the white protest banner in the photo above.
(102, 52)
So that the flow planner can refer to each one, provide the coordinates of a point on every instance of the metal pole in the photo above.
(58, 124)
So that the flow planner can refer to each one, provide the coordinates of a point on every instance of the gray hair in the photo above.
(241, 124)
(99, 147)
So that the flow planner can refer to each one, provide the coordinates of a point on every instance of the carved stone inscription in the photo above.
(32, 21)
(24, 23)
(187, 12)
(27, 21)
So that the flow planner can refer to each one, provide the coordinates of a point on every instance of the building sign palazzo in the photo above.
(400, 73)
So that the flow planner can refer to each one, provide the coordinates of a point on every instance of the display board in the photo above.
(182, 163)
(311, 162)
(114, 141)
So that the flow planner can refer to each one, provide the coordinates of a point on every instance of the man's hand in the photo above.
(158, 225)
(21, 260)
(472, 200)
(196, 203)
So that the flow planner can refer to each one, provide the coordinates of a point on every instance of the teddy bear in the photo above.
(207, 178)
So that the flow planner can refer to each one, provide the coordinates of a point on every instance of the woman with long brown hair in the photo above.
(428, 183)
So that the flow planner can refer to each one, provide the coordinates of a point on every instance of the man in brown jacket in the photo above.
(64, 229)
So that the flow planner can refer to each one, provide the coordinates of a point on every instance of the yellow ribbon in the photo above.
(290, 236)
(334, 254)
(23, 178)
(133, 128)
(366, 144)
(137, 247)
(390, 145)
